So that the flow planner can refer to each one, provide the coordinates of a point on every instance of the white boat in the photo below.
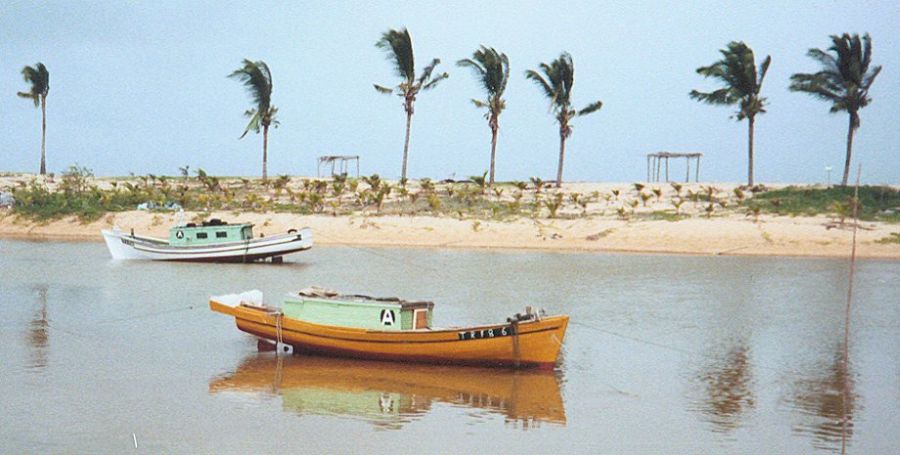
(213, 241)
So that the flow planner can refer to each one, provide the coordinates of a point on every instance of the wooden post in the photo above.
(697, 173)
(648, 167)
(667, 168)
(687, 177)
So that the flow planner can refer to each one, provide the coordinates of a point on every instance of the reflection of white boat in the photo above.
(212, 241)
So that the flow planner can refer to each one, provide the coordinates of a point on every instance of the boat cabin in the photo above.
(210, 232)
(325, 307)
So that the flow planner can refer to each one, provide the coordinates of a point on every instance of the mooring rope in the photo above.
(279, 317)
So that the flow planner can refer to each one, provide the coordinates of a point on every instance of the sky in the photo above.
(141, 87)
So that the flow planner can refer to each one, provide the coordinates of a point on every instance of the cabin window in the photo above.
(221, 235)
(201, 235)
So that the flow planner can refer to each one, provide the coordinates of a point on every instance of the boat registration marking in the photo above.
(485, 333)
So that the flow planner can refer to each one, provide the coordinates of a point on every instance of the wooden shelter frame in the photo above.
(341, 161)
(655, 160)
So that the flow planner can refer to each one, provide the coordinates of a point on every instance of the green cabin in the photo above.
(210, 232)
(325, 307)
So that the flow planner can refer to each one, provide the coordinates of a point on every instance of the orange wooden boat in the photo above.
(324, 322)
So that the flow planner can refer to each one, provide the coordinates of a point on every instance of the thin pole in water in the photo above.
(845, 396)
(134, 437)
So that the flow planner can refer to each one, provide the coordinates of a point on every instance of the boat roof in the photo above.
(215, 222)
(330, 294)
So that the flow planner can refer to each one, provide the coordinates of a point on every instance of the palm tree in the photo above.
(492, 70)
(397, 45)
(557, 86)
(844, 80)
(742, 84)
(258, 80)
(39, 78)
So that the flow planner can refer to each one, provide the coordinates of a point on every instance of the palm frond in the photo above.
(591, 108)
(257, 78)
(434, 82)
(426, 72)
(763, 69)
(39, 78)
(540, 82)
(383, 89)
(397, 45)
(736, 71)
(845, 77)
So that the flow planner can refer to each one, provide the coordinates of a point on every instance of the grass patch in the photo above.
(664, 215)
(893, 238)
(878, 203)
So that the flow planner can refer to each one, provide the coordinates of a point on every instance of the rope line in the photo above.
(378, 254)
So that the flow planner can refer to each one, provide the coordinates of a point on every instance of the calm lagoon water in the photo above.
(665, 354)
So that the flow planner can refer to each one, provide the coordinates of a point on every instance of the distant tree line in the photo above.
(843, 80)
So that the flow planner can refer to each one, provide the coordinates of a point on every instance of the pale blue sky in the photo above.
(141, 87)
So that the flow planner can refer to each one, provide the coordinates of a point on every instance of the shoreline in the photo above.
(732, 235)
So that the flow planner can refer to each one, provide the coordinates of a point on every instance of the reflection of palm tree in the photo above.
(823, 398)
(38, 331)
(728, 389)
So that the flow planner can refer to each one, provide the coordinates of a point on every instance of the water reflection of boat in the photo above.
(391, 394)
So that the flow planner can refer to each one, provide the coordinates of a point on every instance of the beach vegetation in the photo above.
(398, 48)
(877, 203)
(742, 84)
(844, 81)
(893, 237)
(554, 203)
(556, 82)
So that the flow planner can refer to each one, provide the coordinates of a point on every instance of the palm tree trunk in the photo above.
(493, 152)
(43, 135)
(265, 150)
(562, 156)
(750, 151)
(406, 146)
(850, 131)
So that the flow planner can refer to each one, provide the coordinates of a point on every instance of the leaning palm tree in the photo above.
(39, 78)
(397, 45)
(557, 82)
(742, 84)
(492, 70)
(258, 80)
(844, 80)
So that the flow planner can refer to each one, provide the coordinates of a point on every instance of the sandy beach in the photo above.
(595, 227)
(723, 235)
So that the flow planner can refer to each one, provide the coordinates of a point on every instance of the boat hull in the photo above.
(529, 344)
(131, 247)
